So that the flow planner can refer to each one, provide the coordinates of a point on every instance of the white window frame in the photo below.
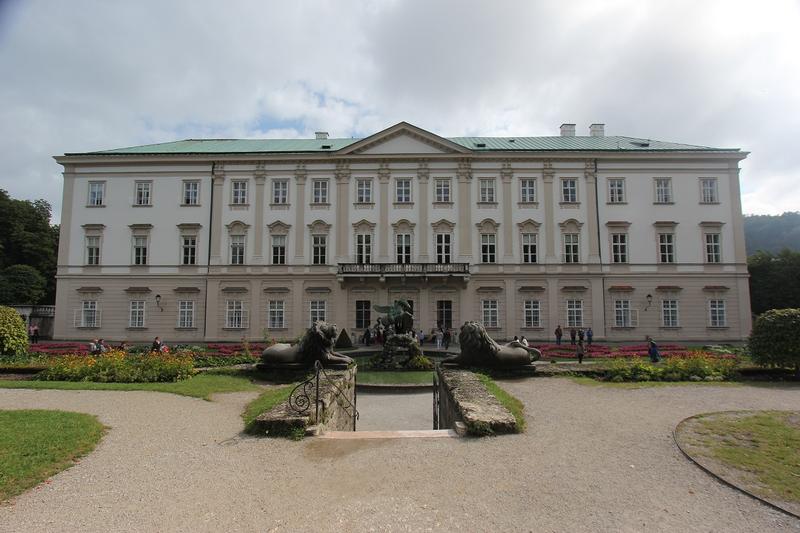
(574, 313)
(319, 191)
(663, 190)
(404, 253)
(319, 249)
(237, 250)
(97, 193)
(623, 314)
(717, 313)
(619, 248)
(363, 248)
(670, 313)
(712, 241)
(530, 248)
(278, 250)
(488, 190)
(141, 250)
(318, 311)
(532, 313)
(190, 192)
(442, 192)
(235, 314)
(709, 191)
(93, 244)
(186, 314)
(239, 192)
(488, 248)
(364, 191)
(89, 314)
(569, 190)
(666, 248)
(276, 314)
(188, 250)
(143, 193)
(402, 191)
(527, 190)
(616, 190)
(280, 191)
(136, 314)
(490, 313)
(572, 248)
(444, 248)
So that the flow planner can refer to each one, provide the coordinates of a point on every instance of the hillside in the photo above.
(772, 233)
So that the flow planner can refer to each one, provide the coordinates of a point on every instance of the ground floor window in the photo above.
(575, 313)
(623, 316)
(235, 315)
(136, 314)
(276, 314)
(318, 311)
(88, 316)
(186, 314)
(444, 314)
(490, 313)
(363, 318)
(716, 314)
(532, 313)
(669, 313)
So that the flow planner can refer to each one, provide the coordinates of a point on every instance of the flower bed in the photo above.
(118, 367)
(61, 348)
(600, 351)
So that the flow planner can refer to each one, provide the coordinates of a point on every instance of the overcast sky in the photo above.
(87, 75)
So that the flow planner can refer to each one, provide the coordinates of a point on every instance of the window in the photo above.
(666, 248)
(444, 313)
(320, 192)
(142, 193)
(136, 314)
(235, 315)
(713, 248)
(619, 247)
(616, 191)
(708, 191)
(279, 249)
(442, 189)
(531, 314)
(90, 315)
(276, 314)
(363, 318)
(488, 248)
(490, 313)
(669, 313)
(189, 250)
(529, 248)
(443, 248)
(92, 251)
(487, 191)
(140, 250)
(363, 248)
(364, 191)
(527, 190)
(97, 192)
(191, 193)
(622, 314)
(716, 314)
(185, 313)
(319, 249)
(571, 248)
(237, 249)
(403, 247)
(318, 311)
(663, 190)
(569, 190)
(280, 191)
(403, 191)
(239, 192)
(574, 313)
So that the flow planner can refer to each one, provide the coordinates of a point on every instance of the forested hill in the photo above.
(772, 233)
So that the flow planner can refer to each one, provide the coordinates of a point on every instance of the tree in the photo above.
(13, 337)
(774, 280)
(773, 341)
(21, 284)
(772, 233)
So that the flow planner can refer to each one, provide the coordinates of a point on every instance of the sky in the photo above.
(88, 75)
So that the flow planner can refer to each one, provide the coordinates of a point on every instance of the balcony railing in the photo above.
(404, 269)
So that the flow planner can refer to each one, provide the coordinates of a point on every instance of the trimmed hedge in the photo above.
(13, 336)
(774, 340)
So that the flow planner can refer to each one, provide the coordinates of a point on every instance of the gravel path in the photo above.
(594, 459)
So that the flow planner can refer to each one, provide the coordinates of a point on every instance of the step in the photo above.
(402, 434)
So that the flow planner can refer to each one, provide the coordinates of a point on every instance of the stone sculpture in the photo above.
(478, 349)
(398, 316)
(397, 328)
(315, 345)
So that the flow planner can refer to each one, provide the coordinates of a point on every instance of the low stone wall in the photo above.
(463, 398)
(335, 413)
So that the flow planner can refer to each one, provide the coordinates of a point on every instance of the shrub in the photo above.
(13, 337)
(343, 340)
(118, 367)
(773, 341)
(693, 367)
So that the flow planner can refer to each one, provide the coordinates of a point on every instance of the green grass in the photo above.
(400, 377)
(266, 401)
(509, 402)
(765, 445)
(36, 444)
(583, 380)
(199, 386)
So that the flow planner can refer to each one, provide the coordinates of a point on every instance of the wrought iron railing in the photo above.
(418, 269)
(301, 396)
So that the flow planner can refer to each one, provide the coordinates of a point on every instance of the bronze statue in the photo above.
(478, 349)
(398, 315)
(315, 345)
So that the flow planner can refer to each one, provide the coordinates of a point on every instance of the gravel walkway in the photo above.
(594, 459)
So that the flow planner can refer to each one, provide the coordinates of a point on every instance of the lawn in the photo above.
(36, 444)
(199, 386)
(583, 380)
(266, 401)
(398, 377)
(509, 402)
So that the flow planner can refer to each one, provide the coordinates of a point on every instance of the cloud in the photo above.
(87, 74)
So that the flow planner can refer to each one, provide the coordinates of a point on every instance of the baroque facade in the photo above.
(214, 240)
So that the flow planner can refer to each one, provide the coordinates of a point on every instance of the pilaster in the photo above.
(218, 198)
(465, 207)
(342, 211)
(300, 213)
(590, 174)
(423, 239)
(506, 176)
(383, 221)
(548, 175)
(258, 246)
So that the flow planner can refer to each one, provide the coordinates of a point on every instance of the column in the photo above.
(465, 207)
(549, 217)
(591, 199)
(739, 251)
(212, 310)
(512, 322)
(218, 199)
(383, 221)
(342, 212)
(300, 213)
(554, 317)
(598, 322)
(258, 248)
(506, 176)
(423, 239)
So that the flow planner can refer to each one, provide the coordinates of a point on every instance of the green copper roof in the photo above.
(570, 143)
(235, 146)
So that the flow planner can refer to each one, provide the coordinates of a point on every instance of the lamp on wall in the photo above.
(158, 302)
(649, 301)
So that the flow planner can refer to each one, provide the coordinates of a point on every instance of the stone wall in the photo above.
(463, 398)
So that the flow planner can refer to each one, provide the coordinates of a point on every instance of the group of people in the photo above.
(576, 335)
(33, 333)
(440, 335)
(522, 340)
(99, 346)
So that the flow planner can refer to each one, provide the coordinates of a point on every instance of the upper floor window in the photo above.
(666, 248)
(140, 250)
(616, 191)
(529, 248)
(716, 314)
(442, 190)
(488, 248)
(319, 191)
(527, 190)
(403, 191)
(191, 192)
(487, 189)
(443, 248)
(97, 192)
(363, 248)
(532, 314)
(490, 313)
(239, 192)
(619, 247)
(569, 190)
(571, 248)
(708, 191)
(279, 249)
(189, 250)
(142, 193)
(280, 191)
(663, 190)
(93, 251)
(237, 249)
(713, 248)
(364, 191)
(403, 247)
(319, 249)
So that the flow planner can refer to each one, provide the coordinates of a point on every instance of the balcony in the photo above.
(383, 270)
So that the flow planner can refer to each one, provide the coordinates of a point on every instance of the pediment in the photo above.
(403, 138)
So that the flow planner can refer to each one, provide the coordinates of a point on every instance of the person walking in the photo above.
(579, 351)
(572, 334)
(589, 336)
(581, 334)
(446, 338)
(439, 339)
(559, 333)
(35, 334)
(652, 351)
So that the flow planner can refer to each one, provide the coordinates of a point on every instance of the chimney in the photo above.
(568, 130)
(321, 134)
(597, 130)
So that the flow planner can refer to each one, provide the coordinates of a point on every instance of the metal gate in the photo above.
(435, 400)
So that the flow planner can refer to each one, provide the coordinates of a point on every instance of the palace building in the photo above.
(224, 239)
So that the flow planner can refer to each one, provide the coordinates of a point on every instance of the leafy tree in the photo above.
(13, 337)
(774, 280)
(773, 341)
(772, 233)
(21, 284)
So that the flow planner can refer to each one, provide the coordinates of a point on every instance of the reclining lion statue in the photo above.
(315, 345)
(478, 349)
